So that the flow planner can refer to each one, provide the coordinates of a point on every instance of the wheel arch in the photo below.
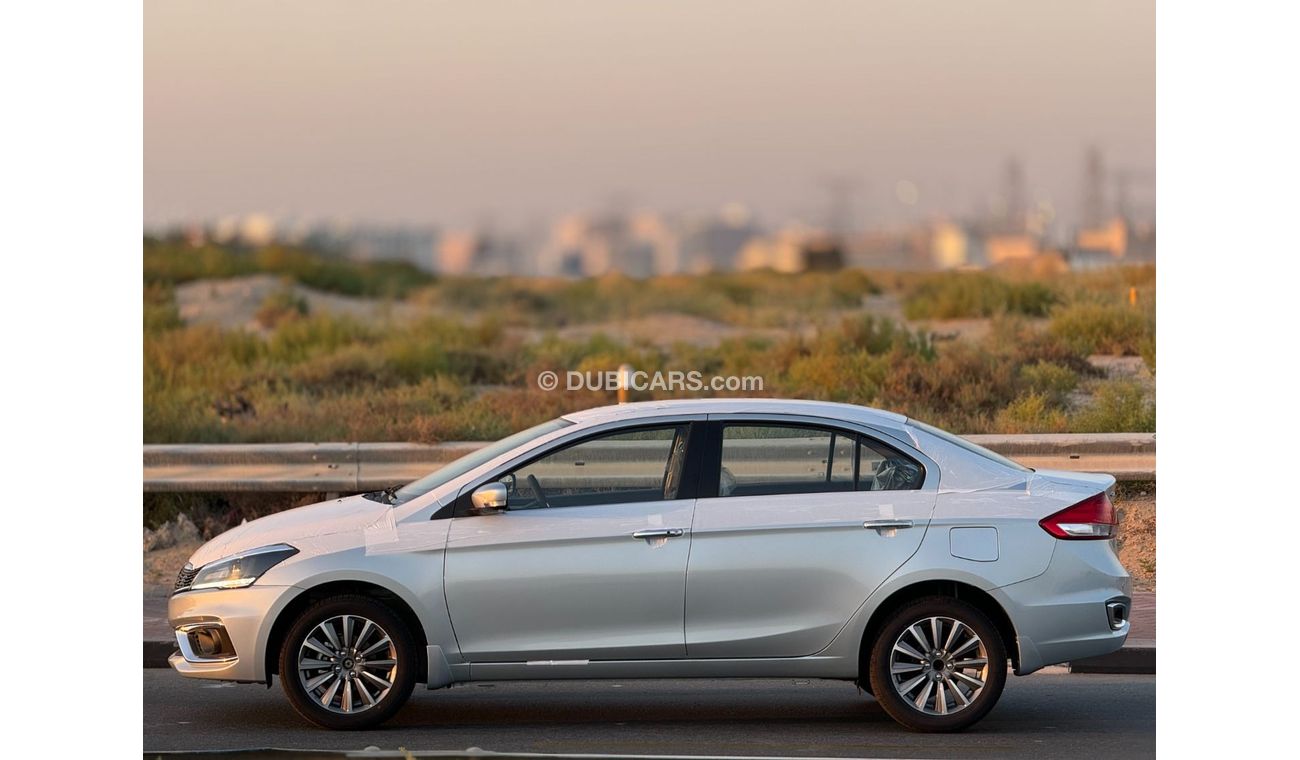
(285, 619)
(966, 592)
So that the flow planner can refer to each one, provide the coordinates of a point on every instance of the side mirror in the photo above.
(489, 498)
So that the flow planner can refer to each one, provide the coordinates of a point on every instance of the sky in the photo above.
(510, 113)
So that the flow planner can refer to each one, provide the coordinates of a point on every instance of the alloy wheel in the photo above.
(939, 665)
(347, 663)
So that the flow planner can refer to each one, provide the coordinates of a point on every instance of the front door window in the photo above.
(618, 468)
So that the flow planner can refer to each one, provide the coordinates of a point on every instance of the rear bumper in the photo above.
(1077, 608)
(240, 619)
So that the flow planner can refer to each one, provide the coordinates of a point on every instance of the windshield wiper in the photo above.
(386, 496)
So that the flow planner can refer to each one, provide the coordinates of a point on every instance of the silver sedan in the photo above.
(678, 539)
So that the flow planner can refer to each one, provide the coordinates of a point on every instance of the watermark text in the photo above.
(688, 381)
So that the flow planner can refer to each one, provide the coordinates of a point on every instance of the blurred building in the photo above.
(1117, 241)
(456, 252)
(952, 246)
(257, 230)
(1008, 248)
(469, 252)
(638, 245)
(714, 243)
(1016, 230)
(782, 251)
(413, 245)
(907, 249)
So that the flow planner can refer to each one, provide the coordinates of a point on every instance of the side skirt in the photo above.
(544, 670)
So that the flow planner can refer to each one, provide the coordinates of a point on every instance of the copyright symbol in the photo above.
(548, 380)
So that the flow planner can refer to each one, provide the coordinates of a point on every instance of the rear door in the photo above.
(798, 523)
(588, 562)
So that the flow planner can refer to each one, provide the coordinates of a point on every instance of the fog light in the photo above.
(205, 642)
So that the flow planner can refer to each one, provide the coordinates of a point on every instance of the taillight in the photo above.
(1092, 518)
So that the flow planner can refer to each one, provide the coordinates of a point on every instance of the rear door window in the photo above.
(763, 459)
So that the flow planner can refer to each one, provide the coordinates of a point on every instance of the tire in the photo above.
(921, 681)
(354, 679)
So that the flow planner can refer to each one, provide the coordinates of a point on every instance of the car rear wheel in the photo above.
(348, 662)
(938, 664)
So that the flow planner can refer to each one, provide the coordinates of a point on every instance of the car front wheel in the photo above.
(348, 662)
(938, 664)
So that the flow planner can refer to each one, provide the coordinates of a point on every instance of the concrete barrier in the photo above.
(354, 467)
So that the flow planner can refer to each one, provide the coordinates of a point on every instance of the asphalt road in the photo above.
(1039, 716)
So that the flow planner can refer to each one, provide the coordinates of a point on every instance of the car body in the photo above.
(693, 538)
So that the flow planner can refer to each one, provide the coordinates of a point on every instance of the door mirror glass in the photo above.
(489, 498)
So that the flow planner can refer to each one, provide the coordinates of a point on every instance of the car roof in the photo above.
(647, 409)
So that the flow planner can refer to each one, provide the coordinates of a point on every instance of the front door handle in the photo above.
(659, 533)
(880, 526)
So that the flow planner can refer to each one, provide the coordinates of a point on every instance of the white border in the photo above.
(1227, 378)
(72, 178)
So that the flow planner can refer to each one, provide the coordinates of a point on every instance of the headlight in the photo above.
(242, 569)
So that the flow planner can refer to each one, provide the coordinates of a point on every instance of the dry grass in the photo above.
(470, 374)
(1137, 534)
(161, 566)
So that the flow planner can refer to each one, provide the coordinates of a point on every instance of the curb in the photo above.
(157, 652)
(1134, 660)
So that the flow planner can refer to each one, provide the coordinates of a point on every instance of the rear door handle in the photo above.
(881, 526)
(659, 533)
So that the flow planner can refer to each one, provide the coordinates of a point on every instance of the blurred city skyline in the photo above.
(510, 115)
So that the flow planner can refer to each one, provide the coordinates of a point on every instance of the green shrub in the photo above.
(298, 339)
(281, 305)
(961, 388)
(847, 377)
(352, 367)
(160, 311)
(1095, 328)
(1049, 380)
(173, 262)
(1031, 412)
(740, 298)
(1117, 406)
(1032, 299)
(1115, 281)
(877, 335)
(955, 295)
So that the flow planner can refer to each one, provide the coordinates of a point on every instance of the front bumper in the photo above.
(1077, 608)
(232, 625)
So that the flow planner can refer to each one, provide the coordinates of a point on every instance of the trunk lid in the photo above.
(1093, 481)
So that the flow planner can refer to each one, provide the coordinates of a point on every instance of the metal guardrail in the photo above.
(355, 467)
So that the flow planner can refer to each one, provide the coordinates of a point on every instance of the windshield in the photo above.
(459, 467)
(967, 445)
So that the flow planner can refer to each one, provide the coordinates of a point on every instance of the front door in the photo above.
(783, 556)
(588, 562)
